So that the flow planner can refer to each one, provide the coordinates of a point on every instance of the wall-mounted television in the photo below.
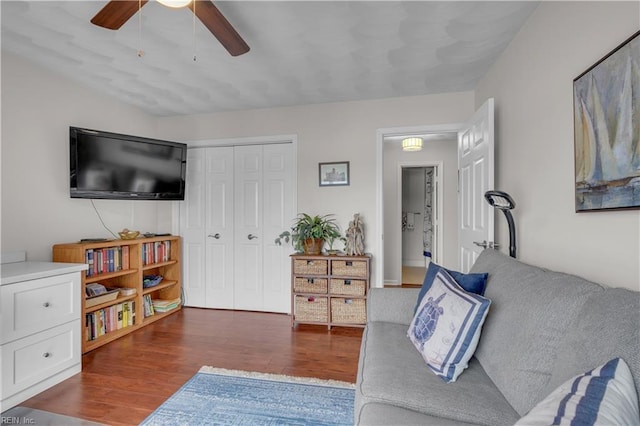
(124, 167)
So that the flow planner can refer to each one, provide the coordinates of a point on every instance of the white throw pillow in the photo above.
(446, 327)
(603, 396)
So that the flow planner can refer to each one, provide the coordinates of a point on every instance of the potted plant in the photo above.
(308, 233)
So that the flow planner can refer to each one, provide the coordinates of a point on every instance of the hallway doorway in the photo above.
(420, 220)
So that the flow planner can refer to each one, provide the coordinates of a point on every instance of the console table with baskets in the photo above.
(329, 290)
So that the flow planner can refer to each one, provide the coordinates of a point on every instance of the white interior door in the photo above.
(219, 228)
(278, 211)
(249, 235)
(238, 200)
(206, 226)
(476, 176)
(192, 229)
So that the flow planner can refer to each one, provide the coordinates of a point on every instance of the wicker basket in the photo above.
(311, 309)
(349, 268)
(311, 267)
(348, 311)
(310, 285)
(348, 287)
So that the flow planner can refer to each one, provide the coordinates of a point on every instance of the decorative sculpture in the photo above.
(355, 237)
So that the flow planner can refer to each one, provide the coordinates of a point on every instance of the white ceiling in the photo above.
(302, 52)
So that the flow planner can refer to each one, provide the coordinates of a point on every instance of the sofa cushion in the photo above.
(475, 283)
(607, 326)
(605, 395)
(374, 414)
(530, 311)
(447, 325)
(392, 372)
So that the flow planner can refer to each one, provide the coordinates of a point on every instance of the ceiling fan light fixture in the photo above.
(174, 3)
(412, 144)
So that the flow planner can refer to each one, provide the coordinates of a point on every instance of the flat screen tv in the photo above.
(123, 167)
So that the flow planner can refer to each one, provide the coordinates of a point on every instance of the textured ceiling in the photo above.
(302, 52)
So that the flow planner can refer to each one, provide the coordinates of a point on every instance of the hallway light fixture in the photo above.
(412, 144)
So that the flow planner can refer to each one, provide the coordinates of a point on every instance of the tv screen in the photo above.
(116, 166)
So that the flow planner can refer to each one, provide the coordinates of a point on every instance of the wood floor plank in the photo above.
(124, 381)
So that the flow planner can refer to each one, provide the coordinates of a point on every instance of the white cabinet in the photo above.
(238, 200)
(41, 329)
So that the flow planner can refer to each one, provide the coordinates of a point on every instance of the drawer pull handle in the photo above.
(310, 280)
(309, 262)
(46, 304)
(348, 263)
(46, 355)
(347, 282)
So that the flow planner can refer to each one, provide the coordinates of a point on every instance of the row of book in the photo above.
(104, 260)
(159, 251)
(151, 306)
(110, 319)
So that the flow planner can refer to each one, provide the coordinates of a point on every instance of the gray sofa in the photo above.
(543, 328)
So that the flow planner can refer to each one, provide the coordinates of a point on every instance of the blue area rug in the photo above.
(216, 396)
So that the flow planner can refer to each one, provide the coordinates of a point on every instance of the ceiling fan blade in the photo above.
(215, 21)
(115, 13)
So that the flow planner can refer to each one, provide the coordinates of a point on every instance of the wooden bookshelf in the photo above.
(120, 264)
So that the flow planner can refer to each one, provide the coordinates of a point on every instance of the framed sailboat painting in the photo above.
(606, 108)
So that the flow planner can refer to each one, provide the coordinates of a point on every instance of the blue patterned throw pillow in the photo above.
(475, 283)
(603, 396)
(446, 327)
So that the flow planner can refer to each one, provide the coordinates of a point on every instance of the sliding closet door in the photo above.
(278, 213)
(206, 218)
(264, 208)
(192, 230)
(249, 235)
(219, 228)
(239, 199)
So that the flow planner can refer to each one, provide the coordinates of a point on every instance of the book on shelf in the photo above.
(105, 260)
(109, 319)
(148, 305)
(163, 305)
(156, 252)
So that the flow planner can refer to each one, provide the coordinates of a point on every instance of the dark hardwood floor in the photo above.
(124, 381)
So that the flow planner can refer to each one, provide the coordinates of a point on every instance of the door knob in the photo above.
(251, 237)
(485, 244)
(216, 236)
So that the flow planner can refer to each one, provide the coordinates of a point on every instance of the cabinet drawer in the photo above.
(32, 306)
(348, 311)
(28, 361)
(311, 309)
(348, 287)
(349, 268)
(310, 285)
(310, 267)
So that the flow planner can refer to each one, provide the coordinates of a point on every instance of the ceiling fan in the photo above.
(116, 12)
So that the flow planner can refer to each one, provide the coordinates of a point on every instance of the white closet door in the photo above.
(206, 218)
(219, 228)
(192, 229)
(278, 213)
(249, 234)
(238, 200)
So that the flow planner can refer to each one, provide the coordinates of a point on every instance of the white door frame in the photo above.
(381, 134)
(439, 212)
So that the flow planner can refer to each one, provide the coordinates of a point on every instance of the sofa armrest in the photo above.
(394, 305)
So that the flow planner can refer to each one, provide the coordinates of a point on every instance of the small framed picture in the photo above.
(334, 174)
